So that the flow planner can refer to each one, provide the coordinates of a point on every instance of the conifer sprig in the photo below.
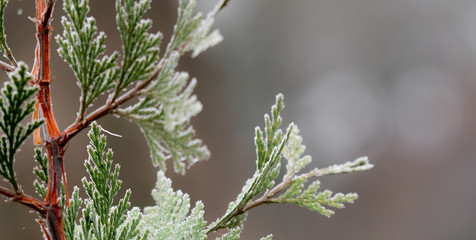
(166, 101)
(81, 47)
(171, 217)
(4, 48)
(140, 48)
(269, 150)
(164, 114)
(167, 104)
(16, 104)
(101, 219)
(41, 173)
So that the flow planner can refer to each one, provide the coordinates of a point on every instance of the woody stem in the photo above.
(54, 215)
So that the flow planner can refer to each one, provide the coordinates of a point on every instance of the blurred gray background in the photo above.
(392, 80)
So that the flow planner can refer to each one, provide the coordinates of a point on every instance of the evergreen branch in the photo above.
(360, 164)
(140, 48)
(269, 237)
(191, 33)
(108, 108)
(232, 234)
(4, 48)
(15, 105)
(71, 213)
(81, 47)
(41, 172)
(41, 68)
(269, 149)
(163, 115)
(101, 219)
(172, 216)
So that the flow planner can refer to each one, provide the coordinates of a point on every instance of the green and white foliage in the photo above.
(269, 237)
(166, 101)
(171, 217)
(270, 149)
(101, 219)
(163, 114)
(3, 44)
(41, 173)
(166, 106)
(311, 198)
(81, 46)
(140, 48)
(4, 48)
(192, 32)
(232, 234)
(16, 103)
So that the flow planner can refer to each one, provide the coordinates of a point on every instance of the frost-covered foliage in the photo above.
(270, 149)
(140, 48)
(166, 106)
(81, 47)
(166, 102)
(164, 113)
(100, 218)
(311, 198)
(15, 105)
(171, 217)
(145, 87)
(41, 173)
(4, 48)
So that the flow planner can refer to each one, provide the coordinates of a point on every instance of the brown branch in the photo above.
(288, 180)
(24, 199)
(267, 198)
(43, 227)
(54, 215)
(109, 107)
(6, 67)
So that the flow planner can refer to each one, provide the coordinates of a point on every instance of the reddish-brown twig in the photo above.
(24, 199)
(41, 72)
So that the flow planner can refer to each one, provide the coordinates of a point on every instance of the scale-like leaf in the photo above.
(171, 217)
(140, 48)
(16, 104)
(81, 46)
(101, 219)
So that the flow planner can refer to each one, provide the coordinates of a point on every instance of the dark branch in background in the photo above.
(225, 3)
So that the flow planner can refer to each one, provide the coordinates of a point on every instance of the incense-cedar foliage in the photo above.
(164, 106)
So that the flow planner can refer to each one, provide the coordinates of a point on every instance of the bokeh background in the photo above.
(392, 80)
